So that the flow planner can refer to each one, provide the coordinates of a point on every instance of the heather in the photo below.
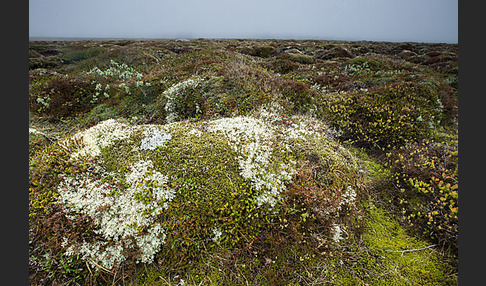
(243, 162)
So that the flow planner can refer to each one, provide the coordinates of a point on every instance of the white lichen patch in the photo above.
(126, 217)
(253, 140)
(106, 133)
(217, 234)
(154, 138)
(349, 196)
(257, 139)
(123, 205)
(101, 135)
(35, 131)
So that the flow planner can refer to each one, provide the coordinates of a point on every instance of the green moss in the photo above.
(376, 174)
(117, 157)
(379, 265)
(210, 193)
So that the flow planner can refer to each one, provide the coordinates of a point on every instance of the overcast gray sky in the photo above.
(429, 21)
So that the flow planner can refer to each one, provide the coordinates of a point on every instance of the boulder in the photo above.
(405, 54)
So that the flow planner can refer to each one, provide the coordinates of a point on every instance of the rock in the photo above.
(405, 54)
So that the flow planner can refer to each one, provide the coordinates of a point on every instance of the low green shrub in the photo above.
(324, 193)
(58, 96)
(383, 117)
(44, 62)
(426, 180)
(301, 97)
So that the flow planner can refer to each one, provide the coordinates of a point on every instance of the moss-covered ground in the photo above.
(242, 162)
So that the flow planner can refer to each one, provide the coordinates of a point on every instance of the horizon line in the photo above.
(87, 38)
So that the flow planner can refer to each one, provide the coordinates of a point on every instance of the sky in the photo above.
(429, 21)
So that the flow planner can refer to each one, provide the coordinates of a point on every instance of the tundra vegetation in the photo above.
(242, 162)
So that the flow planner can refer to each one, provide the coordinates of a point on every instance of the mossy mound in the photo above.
(298, 58)
(334, 52)
(148, 192)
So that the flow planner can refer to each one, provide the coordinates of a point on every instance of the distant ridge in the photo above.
(33, 39)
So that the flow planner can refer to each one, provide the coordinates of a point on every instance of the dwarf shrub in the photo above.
(426, 189)
(326, 187)
(58, 96)
(383, 117)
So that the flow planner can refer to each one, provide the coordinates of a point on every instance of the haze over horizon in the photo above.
(431, 21)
